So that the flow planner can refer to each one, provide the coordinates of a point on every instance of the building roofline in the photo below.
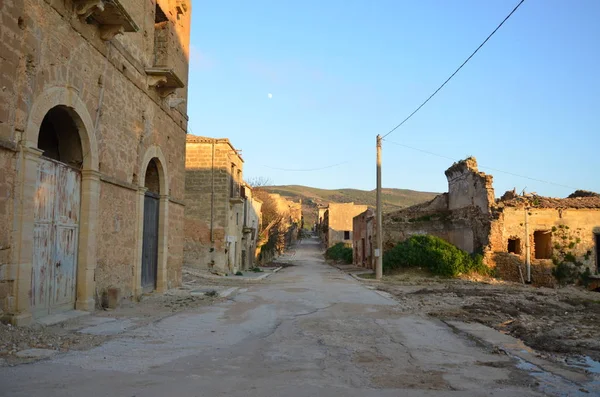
(205, 139)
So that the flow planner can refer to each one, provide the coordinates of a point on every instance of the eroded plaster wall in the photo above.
(572, 231)
(469, 187)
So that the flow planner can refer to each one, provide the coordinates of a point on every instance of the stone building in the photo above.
(462, 216)
(291, 220)
(559, 231)
(215, 203)
(364, 226)
(337, 223)
(92, 135)
(251, 227)
(469, 216)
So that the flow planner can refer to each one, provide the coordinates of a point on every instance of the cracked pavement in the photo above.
(310, 330)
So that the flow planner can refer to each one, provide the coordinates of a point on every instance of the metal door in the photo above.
(150, 241)
(56, 227)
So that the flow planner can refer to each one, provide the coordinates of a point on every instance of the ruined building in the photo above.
(92, 139)
(469, 216)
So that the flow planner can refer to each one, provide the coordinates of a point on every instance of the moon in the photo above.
(270, 95)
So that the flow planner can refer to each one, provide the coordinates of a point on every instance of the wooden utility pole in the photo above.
(527, 246)
(379, 249)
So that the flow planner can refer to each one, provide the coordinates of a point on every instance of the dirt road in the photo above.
(310, 330)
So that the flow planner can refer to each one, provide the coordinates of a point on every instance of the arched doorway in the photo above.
(56, 213)
(151, 226)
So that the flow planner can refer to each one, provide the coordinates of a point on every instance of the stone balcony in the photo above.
(170, 63)
(110, 15)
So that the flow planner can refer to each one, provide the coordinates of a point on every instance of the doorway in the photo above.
(150, 228)
(56, 214)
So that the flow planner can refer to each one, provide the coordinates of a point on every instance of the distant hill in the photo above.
(393, 199)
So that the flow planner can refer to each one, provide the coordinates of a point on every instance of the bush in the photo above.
(339, 252)
(435, 254)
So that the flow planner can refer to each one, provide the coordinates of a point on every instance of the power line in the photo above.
(456, 71)
(481, 166)
(304, 169)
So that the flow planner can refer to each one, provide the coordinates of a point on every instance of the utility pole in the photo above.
(379, 249)
(527, 246)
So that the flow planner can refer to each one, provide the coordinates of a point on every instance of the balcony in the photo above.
(235, 196)
(170, 63)
(110, 15)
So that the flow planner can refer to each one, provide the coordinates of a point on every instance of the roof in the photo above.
(536, 201)
(205, 139)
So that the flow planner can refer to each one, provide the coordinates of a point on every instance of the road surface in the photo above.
(310, 330)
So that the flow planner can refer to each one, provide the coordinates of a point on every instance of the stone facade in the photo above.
(338, 222)
(468, 216)
(214, 213)
(559, 230)
(251, 227)
(81, 86)
(364, 227)
(462, 216)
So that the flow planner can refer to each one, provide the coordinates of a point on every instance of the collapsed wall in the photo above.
(461, 216)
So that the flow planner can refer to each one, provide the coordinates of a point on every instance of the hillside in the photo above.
(393, 199)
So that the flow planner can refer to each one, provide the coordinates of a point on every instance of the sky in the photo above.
(342, 71)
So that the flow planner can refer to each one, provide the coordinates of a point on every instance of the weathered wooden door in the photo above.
(150, 242)
(56, 229)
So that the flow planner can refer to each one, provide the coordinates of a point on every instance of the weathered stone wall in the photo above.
(175, 244)
(117, 234)
(572, 231)
(511, 267)
(44, 45)
(208, 185)
(7, 184)
(467, 228)
(363, 238)
(469, 187)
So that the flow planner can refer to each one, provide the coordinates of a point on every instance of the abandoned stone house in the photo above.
(470, 217)
(363, 243)
(291, 213)
(221, 217)
(337, 222)
(92, 135)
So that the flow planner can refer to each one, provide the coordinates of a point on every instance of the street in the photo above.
(310, 331)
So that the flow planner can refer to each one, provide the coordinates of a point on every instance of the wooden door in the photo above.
(150, 241)
(55, 237)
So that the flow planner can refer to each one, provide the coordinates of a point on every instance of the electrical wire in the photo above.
(484, 167)
(456, 71)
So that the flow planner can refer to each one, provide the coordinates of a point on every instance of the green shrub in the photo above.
(565, 273)
(435, 254)
(339, 252)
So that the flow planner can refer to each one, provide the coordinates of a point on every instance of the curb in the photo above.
(364, 280)
(515, 348)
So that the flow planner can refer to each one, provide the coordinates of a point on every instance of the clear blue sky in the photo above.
(342, 71)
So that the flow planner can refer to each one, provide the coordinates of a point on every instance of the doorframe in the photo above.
(19, 310)
(153, 153)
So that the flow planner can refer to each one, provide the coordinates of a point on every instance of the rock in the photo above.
(36, 353)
